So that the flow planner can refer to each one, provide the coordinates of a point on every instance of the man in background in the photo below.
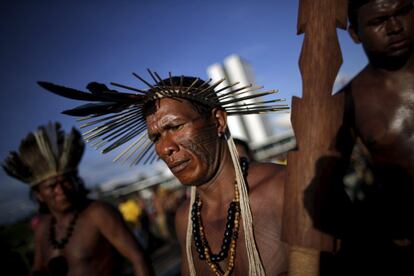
(379, 118)
(76, 235)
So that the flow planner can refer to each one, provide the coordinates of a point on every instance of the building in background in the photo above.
(253, 128)
(257, 130)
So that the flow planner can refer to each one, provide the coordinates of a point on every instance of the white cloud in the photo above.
(341, 80)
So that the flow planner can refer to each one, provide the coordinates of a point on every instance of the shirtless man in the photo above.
(379, 112)
(191, 140)
(76, 236)
(186, 122)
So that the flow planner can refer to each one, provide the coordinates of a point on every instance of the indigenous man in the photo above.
(186, 122)
(379, 112)
(76, 236)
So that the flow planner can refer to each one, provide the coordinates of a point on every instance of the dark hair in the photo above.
(353, 9)
(242, 143)
(184, 81)
(246, 147)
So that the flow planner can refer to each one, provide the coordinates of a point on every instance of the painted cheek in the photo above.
(199, 147)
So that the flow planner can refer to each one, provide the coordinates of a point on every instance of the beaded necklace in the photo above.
(69, 231)
(230, 234)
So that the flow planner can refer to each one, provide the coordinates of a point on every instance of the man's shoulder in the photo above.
(97, 209)
(267, 180)
(43, 225)
(363, 79)
(262, 173)
(181, 220)
(182, 212)
(266, 193)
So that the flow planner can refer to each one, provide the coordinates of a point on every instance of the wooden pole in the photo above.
(316, 119)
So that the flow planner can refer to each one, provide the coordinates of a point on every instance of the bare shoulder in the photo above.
(353, 85)
(266, 189)
(366, 79)
(266, 176)
(99, 211)
(100, 206)
(43, 226)
(181, 221)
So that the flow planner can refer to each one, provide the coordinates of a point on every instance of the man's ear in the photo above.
(38, 195)
(354, 34)
(220, 119)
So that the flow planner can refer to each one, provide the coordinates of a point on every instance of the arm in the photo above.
(38, 267)
(181, 230)
(113, 228)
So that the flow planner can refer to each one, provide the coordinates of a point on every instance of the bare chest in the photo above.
(384, 115)
(267, 235)
(85, 247)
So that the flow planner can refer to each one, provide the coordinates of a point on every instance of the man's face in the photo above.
(386, 28)
(186, 141)
(57, 192)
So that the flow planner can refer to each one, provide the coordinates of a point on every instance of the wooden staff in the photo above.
(316, 119)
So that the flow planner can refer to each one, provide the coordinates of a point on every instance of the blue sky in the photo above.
(74, 42)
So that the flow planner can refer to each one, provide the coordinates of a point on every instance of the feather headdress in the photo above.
(117, 118)
(45, 153)
(128, 122)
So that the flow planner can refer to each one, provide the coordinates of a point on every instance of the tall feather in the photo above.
(45, 153)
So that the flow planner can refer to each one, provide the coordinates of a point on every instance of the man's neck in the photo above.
(63, 217)
(392, 66)
(220, 189)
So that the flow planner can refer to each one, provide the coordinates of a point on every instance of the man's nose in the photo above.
(58, 189)
(167, 146)
(394, 25)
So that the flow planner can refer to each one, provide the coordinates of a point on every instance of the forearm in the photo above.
(142, 267)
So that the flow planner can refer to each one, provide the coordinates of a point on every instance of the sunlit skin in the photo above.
(379, 111)
(380, 100)
(194, 148)
(99, 233)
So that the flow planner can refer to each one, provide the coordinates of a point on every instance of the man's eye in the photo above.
(377, 21)
(51, 186)
(177, 127)
(155, 139)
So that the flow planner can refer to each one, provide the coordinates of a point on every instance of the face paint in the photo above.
(185, 140)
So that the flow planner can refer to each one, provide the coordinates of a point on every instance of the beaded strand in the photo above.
(228, 248)
(52, 235)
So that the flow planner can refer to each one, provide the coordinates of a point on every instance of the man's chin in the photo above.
(188, 181)
(62, 208)
(392, 60)
(402, 53)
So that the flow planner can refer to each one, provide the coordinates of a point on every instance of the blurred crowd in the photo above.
(150, 214)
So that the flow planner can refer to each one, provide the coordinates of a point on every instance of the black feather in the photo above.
(70, 92)
(95, 108)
